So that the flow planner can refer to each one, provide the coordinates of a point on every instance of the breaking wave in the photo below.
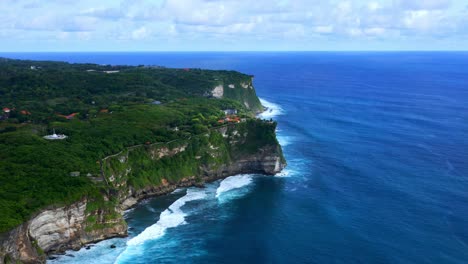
(171, 217)
(232, 183)
(272, 109)
(284, 140)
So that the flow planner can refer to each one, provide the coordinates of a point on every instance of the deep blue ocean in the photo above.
(377, 151)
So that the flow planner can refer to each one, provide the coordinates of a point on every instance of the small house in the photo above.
(6, 110)
(230, 111)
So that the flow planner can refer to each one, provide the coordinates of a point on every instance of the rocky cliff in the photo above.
(241, 90)
(141, 172)
(55, 230)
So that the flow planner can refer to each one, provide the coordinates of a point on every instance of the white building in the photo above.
(55, 136)
(230, 111)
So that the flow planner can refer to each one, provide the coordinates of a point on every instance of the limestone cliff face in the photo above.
(16, 245)
(241, 91)
(218, 91)
(230, 150)
(221, 155)
(268, 161)
(55, 230)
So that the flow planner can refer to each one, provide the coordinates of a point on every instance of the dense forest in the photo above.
(102, 109)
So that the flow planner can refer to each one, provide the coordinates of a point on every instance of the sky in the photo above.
(232, 25)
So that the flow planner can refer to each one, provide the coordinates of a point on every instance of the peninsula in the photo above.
(81, 143)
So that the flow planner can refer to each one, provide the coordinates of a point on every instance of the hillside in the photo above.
(130, 131)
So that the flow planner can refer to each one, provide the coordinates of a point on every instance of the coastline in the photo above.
(264, 161)
(151, 193)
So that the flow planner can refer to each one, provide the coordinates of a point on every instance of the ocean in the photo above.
(377, 151)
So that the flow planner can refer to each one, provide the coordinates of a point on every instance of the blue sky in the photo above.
(232, 25)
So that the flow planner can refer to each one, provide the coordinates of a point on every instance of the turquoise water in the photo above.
(377, 149)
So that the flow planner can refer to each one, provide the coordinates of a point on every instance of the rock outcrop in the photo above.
(218, 91)
(267, 162)
(241, 91)
(266, 159)
(56, 230)
(230, 150)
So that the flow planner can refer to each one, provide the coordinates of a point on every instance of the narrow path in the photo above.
(101, 162)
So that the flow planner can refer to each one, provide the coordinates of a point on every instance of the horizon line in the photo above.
(224, 51)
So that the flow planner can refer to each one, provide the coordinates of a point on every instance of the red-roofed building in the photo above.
(6, 110)
(233, 119)
(70, 116)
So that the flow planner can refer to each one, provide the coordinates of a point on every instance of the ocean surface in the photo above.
(377, 151)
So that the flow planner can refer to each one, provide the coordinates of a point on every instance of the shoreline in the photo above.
(59, 228)
(153, 192)
(167, 191)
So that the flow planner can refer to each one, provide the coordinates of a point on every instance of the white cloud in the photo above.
(273, 21)
(375, 31)
(354, 32)
(104, 13)
(373, 6)
(425, 4)
(323, 29)
(140, 33)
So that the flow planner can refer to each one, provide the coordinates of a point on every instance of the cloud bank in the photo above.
(232, 25)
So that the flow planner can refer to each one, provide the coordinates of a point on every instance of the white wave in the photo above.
(100, 253)
(284, 173)
(272, 109)
(151, 209)
(178, 190)
(233, 182)
(284, 140)
(126, 212)
(171, 217)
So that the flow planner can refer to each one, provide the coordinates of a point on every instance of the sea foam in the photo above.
(284, 140)
(284, 173)
(233, 182)
(272, 110)
(99, 253)
(171, 217)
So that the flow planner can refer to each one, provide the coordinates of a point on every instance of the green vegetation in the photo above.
(188, 157)
(60, 88)
(37, 248)
(113, 111)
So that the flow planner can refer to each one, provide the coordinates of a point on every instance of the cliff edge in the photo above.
(141, 172)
